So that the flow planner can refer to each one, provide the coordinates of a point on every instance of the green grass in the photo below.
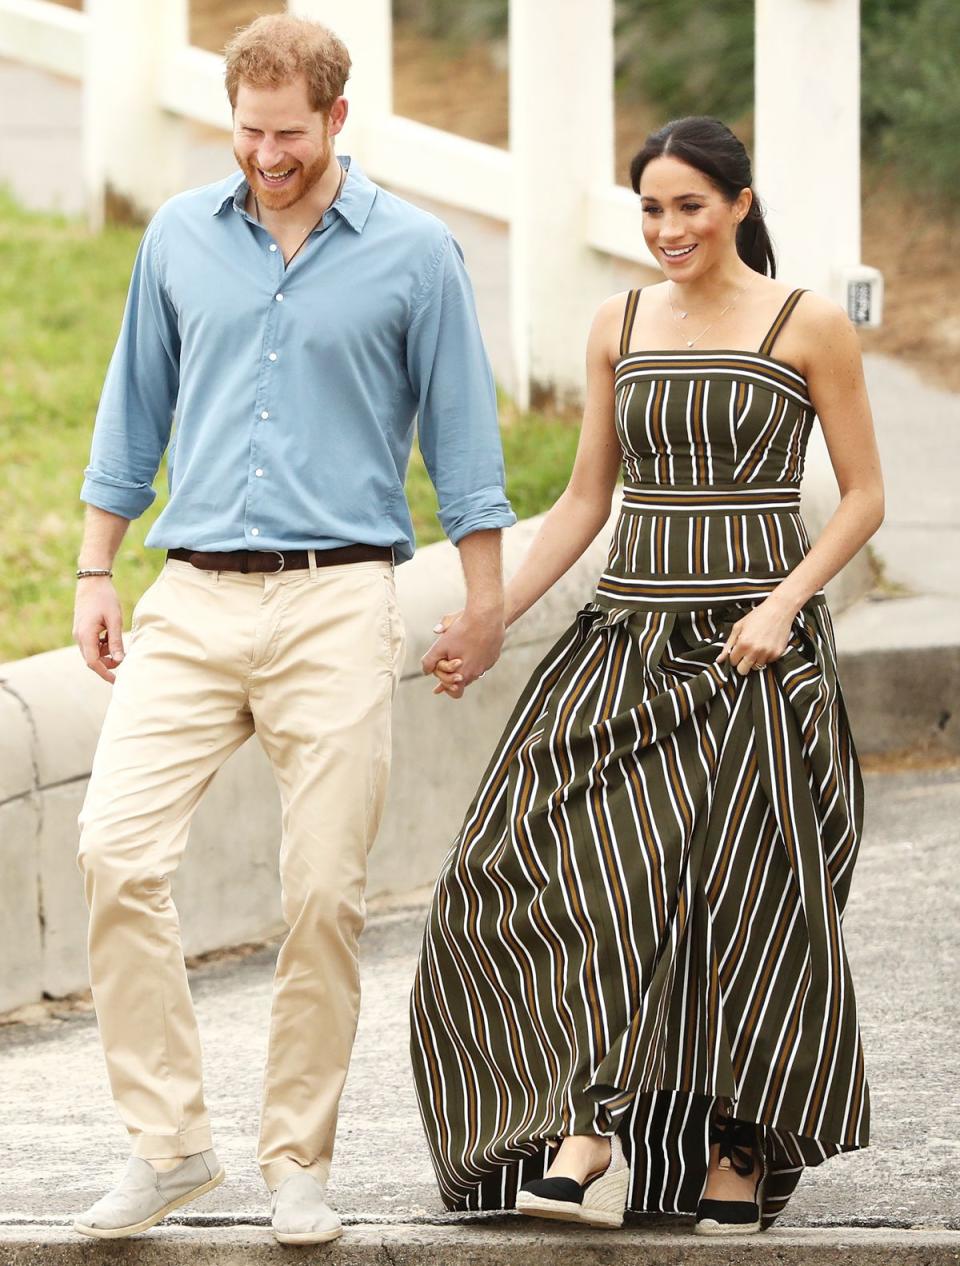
(61, 298)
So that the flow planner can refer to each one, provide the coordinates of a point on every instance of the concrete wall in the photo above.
(52, 706)
(51, 709)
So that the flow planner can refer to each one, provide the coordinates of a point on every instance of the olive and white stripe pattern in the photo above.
(642, 911)
(713, 448)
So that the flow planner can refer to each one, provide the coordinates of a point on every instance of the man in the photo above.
(294, 319)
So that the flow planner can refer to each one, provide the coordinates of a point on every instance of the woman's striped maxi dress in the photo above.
(642, 911)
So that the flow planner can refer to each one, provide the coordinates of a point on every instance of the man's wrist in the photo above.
(92, 563)
(485, 608)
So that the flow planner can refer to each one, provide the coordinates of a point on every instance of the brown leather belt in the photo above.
(274, 560)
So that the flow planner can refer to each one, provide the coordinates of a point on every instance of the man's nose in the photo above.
(268, 155)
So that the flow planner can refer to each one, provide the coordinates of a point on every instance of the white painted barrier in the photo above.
(554, 188)
(807, 136)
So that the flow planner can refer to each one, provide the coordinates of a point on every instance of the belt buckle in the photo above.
(283, 562)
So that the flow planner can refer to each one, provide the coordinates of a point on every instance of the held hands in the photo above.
(469, 644)
(98, 625)
(760, 637)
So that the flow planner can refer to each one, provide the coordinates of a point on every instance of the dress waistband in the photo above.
(711, 498)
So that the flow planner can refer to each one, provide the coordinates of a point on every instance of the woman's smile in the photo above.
(674, 253)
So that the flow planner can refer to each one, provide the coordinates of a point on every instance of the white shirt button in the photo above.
(273, 246)
(279, 298)
(258, 473)
(254, 531)
(272, 356)
(264, 415)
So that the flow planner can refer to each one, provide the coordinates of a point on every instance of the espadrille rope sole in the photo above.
(603, 1203)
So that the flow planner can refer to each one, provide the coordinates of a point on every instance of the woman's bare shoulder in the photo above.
(612, 309)
(826, 341)
(606, 326)
(612, 312)
(819, 321)
(813, 306)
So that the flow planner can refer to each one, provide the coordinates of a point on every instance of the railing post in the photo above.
(807, 136)
(366, 27)
(132, 147)
(561, 135)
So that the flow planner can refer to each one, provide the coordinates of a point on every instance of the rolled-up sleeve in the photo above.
(139, 394)
(457, 422)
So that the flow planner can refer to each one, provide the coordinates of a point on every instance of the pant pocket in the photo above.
(147, 603)
(394, 633)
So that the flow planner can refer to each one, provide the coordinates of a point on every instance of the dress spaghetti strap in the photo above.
(779, 321)
(629, 312)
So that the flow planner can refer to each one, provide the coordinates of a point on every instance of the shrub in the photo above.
(911, 93)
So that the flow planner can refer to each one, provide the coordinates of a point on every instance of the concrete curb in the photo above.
(490, 1242)
(899, 664)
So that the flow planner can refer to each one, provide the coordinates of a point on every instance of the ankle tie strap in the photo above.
(736, 1139)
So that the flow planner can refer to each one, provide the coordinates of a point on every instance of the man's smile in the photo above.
(278, 177)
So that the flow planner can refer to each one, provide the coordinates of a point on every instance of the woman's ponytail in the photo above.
(753, 241)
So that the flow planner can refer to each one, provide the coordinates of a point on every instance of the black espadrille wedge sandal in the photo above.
(600, 1201)
(740, 1145)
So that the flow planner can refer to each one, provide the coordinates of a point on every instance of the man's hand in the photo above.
(98, 625)
(469, 644)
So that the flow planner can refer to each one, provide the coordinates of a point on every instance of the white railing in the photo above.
(554, 187)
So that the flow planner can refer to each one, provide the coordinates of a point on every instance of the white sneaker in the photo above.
(143, 1196)
(299, 1212)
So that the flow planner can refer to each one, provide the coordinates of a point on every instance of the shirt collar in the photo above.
(354, 204)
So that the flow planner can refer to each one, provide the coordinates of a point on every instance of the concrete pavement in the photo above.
(61, 1144)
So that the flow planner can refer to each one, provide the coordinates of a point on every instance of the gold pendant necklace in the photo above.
(684, 314)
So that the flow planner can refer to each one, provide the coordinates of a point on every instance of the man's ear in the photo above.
(337, 116)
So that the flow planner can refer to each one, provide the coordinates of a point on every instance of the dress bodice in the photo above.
(713, 453)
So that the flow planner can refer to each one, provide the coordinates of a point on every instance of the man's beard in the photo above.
(302, 181)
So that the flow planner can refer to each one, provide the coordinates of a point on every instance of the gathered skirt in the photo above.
(642, 913)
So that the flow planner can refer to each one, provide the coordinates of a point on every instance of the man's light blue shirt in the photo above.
(291, 393)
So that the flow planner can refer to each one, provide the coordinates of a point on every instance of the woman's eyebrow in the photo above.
(681, 197)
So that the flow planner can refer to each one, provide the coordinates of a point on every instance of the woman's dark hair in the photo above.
(710, 147)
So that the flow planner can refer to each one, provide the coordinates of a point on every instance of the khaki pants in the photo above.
(310, 661)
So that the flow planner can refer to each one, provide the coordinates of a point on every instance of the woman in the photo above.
(634, 952)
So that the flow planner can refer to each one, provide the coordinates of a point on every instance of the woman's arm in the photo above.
(582, 508)
(834, 370)
(839, 395)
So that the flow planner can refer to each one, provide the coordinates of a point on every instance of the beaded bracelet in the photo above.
(93, 571)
